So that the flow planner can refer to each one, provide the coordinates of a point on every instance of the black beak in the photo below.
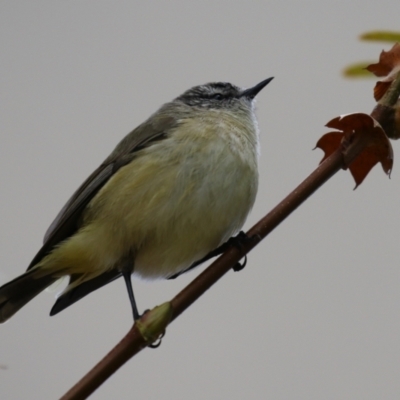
(253, 91)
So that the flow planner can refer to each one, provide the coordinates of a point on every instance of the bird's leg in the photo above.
(127, 276)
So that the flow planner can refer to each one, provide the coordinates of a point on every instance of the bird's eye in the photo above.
(217, 96)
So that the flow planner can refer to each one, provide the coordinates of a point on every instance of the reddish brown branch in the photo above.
(131, 344)
(134, 341)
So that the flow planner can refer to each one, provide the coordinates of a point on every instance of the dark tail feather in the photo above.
(80, 291)
(15, 294)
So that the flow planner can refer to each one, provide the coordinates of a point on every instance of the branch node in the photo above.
(153, 323)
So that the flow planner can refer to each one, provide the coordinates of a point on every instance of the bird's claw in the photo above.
(238, 242)
(156, 343)
(238, 267)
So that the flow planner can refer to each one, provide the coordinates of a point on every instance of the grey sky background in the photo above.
(316, 312)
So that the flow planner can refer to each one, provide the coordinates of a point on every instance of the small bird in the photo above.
(172, 192)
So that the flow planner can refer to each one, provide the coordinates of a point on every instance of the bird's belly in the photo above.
(185, 233)
(170, 209)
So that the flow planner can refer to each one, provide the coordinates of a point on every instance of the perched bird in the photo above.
(173, 190)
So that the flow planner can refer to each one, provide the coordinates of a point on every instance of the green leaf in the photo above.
(358, 70)
(381, 36)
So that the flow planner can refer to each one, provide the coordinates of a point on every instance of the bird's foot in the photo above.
(238, 241)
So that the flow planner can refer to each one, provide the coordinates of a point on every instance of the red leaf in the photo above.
(329, 143)
(380, 89)
(378, 147)
(388, 66)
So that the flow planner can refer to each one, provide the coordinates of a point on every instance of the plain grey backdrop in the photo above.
(316, 312)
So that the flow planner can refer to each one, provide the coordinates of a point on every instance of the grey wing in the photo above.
(86, 190)
(67, 221)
